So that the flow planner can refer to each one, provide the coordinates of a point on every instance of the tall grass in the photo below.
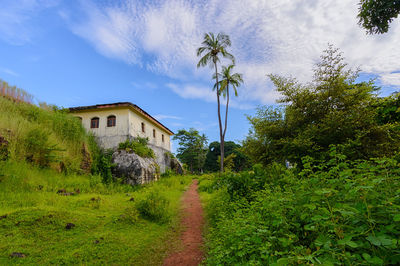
(49, 138)
(14, 93)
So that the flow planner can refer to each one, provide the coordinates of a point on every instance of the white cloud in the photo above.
(9, 72)
(278, 36)
(163, 117)
(391, 79)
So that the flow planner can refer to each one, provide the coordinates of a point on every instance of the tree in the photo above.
(193, 149)
(240, 159)
(212, 48)
(227, 78)
(332, 110)
(376, 15)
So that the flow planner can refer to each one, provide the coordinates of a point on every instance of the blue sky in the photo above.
(73, 53)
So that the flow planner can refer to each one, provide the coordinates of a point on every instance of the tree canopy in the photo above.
(192, 149)
(334, 109)
(376, 15)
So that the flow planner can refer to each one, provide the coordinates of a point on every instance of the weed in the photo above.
(154, 206)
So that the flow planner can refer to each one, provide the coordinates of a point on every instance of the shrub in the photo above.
(334, 212)
(139, 146)
(39, 150)
(168, 172)
(3, 149)
(154, 207)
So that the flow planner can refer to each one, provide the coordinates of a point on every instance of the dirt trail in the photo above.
(192, 223)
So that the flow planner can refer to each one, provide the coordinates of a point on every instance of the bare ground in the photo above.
(192, 239)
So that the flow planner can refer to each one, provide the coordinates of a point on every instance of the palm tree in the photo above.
(210, 51)
(227, 78)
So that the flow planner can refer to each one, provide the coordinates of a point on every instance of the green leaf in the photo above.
(396, 218)
(374, 240)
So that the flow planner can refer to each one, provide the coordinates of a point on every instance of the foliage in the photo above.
(102, 165)
(61, 134)
(333, 109)
(192, 149)
(38, 149)
(388, 109)
(212, 48)
(139, 146)
(333, 212)
(154, 206)
(241, 161)
(229, 162)
(168, 172)
(376, 15)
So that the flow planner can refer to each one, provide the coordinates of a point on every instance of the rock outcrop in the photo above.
(133, 168)
(176, 166)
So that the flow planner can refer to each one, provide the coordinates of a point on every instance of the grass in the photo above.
(46, 137)
(108, 227)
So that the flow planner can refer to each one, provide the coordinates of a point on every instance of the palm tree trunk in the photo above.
(220, 123)
(226, 112)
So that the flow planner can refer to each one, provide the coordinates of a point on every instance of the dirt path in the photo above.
(192, 223)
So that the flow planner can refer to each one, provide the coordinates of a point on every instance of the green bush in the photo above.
(168, 172)
(139, 146)
(334, 212)
(39, 150)
(154, 207)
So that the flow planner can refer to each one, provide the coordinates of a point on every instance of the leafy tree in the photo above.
(376, 15)
(212, 48)
(332, 110)
(240, 160)
(193, 149)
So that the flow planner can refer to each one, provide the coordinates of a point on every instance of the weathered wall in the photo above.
(128, 125)
(162, 159)
(108, 137)
(135, 129)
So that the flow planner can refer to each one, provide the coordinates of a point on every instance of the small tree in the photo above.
(192, 149)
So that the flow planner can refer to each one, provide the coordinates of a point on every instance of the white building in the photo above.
(116, 122)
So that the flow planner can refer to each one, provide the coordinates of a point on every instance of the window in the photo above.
(111, 121)
(143, 129)
(94, 123)
(154, 133)
(162, 137)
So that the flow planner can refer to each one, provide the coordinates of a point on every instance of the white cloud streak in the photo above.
(9, 72)
(163, 117)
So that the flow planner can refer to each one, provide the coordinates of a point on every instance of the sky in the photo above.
(73, 53)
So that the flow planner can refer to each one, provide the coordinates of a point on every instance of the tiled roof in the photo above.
(120, 104)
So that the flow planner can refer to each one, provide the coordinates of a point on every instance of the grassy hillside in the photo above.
(47, 137)
(53, 211)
